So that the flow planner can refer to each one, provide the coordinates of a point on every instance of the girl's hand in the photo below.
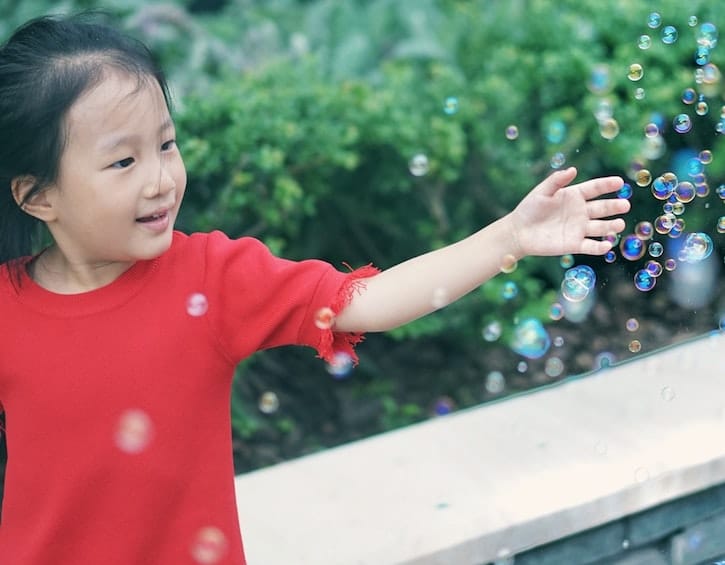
(556, 219)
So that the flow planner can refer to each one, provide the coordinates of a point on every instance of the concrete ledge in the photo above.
(499, 479)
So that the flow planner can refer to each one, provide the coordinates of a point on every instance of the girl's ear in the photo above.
(36, 204)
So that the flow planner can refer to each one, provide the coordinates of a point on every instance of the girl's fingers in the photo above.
(607, 207)
(600, 228)
(597, 187)
(557, 181)
(594, 247)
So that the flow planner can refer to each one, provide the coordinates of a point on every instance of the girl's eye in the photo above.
(168, 145)
(123, 163)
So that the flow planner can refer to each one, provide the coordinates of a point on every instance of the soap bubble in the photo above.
(443, 405)
(644, 281)
(689, 95)
(654, 268)
(558, 160)
(510, 290)
(635, 346)
(609, 128)
(556, 311)
(625, 191)
(656, 249)
(197, 304)
(340, 366)
(654, 20)
(495, 382)
(644, 42)
(556, 131)
(209, 546)
(512, 132)
(324, 318)
(632, 247)
(578, 283)
(697, 247)
(644, 230)
(682, 123)
(492, 331)
(450, 105)
(669, 35)
(643, 177)
(685, 192)
(707, 36)
(632, 325)
(530, 339)
(553, 367)
(418, 165)
(268, 403)
(134, 431)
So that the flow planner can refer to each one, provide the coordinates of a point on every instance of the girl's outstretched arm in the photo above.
(555, 218)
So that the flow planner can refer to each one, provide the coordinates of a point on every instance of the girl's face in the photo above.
(121, 177)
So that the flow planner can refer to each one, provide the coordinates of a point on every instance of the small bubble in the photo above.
(692, 21)
(418, 165)
(495, 382)
(492, 331)
(530, 339)
(669, 35)
(682, 123)
(644, 281)
(654, 268)
(554, 367)
(643, 177)
(508, 264)
(324, 318)
(578, 282)
(558, 341)
(522, 367)
(636, 72)
(644, 230)
(268, 403)
(134, 431)
(450, 106)
(654, 20)
(510, 290)
(705, 156)
(609, 129)
(656, 249)
(443, 405)
(689, 96)
(644, 42)
(670, 264)
(566, 261)
(340, 366)
(667, 394)
(632, 247)
(209, 546)
(639, 93)
(635, 346)
(558, 160)
(632, 325)
(512, 132)
(625, 191)
(556, 311)
(196, 304)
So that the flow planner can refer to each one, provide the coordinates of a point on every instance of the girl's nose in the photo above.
(162, 184)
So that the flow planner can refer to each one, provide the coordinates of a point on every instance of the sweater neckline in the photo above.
(104, 298)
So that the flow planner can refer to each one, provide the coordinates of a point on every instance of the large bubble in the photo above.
(530, 339)
(697, 247)
(578, 283)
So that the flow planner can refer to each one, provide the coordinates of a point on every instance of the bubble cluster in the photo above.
(578, 283)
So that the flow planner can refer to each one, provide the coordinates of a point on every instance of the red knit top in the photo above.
(117, 400)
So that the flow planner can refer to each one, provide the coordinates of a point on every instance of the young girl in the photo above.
(121, 337)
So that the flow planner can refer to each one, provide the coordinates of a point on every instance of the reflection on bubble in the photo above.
(610, 256)
(530, 339)
(196, 304)
(492, 331)
(134, 431)
(340, 366)
(558, 341)
(682, 123)
(692, 21)
(418, 165)
(708, 35)
(644, 42)
(512, 132)
(268, 403)
(697, 247)
(705, 157)
(636, 72)
(664, 223)
(522, 367)
(644, 281)
(495, 382)
(639, 93)
(578, 283)
(209, 546)
(702, 107)
(721, 224)
(632, 247)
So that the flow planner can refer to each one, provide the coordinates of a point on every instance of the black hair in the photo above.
(45, 66)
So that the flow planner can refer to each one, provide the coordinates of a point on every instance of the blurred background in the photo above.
(371, 131)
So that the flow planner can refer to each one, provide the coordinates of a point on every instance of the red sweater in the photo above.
(117, 400)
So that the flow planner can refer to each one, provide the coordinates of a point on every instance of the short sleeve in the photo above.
(257, 300)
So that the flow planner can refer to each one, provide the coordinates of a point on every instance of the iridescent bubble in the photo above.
(721, 224)
(678, 208)
(508, 264)
(603, 111)
(699, 76)
(553, 367)
(268, 403)
(711, 73)
(656, 249)
(697, 247)
(685, 192)
(530, 339)
(702, 108)
(692, 21)
(418, 165)
(636, 72)
(566, 261)
(689, 96)
(196, 304)
(664, 185)
(558, 160)
(610, 256)
(324, 318)
(134, 431)
(495, 382)
(720, 191)
(664, 223)
(654, 20)
(635, 346)
(702, 55)
(340, 366)
(209, 546)
(599, 80)
(644, 230)
(625, 191)
(609, 129)
(556, 311)
(512, 132)
(670, 264)
(639, 93)
(644, 42)
(556, 132)
(654, 268)
(522, 367)
(643, 177)
(644, 281)
(604, 359)
(682, 123)
(558, 341)
(492, 331)
(450, 105)
(631, 247)
(702, 189)
(578, 283)
(651, 130)
(509, 290)
(705, 156)
(669, 35)
(443, 405)
(632, 325)
(707, 37)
